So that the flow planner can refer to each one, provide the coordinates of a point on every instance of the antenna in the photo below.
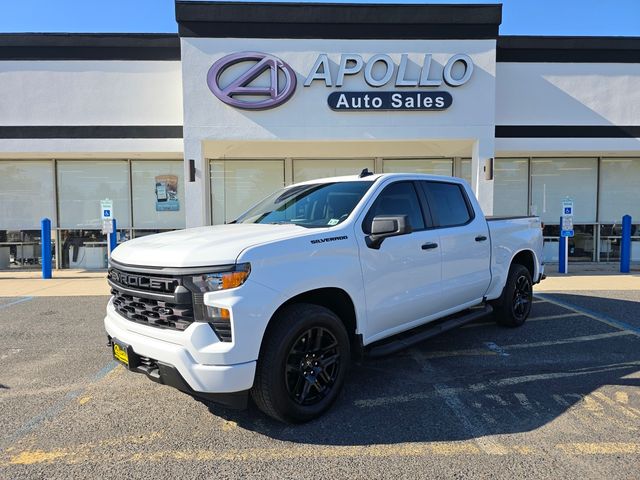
(365, 173)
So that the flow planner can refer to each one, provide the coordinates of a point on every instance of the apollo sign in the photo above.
(379, 70)
(235, 93)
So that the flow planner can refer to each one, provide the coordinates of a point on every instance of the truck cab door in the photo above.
(402, 276)
(466, 246)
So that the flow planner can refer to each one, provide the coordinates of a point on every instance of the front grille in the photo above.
(156, 313)
(162, 301)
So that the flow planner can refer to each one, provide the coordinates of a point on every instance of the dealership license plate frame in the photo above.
(121, 352)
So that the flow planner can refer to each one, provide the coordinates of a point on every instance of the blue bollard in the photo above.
(45, 238)
(113, 236)
(625, 245)
(562, 261)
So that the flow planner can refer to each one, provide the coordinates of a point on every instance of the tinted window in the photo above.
(397, 199)
(447, 203)
(308, 205)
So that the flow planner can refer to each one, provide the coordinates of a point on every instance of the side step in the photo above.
(411, 337)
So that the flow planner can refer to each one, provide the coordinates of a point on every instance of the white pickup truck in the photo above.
(279, 302)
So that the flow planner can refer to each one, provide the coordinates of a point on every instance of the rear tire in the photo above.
(514, 306)
(302, 365)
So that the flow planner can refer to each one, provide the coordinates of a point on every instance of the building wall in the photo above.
(306, 115)
(567, 93)
(90, 92)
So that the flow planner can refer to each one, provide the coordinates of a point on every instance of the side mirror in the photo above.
(385, 226)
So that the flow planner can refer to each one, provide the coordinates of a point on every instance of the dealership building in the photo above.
(191, 129)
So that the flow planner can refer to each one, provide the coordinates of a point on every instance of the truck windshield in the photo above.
(309, 205)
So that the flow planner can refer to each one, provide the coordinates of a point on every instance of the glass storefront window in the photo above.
(619, 189)
(581, 246)
(26, 194)
(554, 179)
(86, 249)
(22, 249)
(432, 166)
(465, 170)
(237, 185)
(158, 194)
(511, 186)
(610, 236)
(146, 232)
(304, 170)
(81, 186)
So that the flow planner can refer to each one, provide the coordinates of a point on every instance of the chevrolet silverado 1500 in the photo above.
(277, 303)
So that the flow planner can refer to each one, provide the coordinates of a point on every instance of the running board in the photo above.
(411, 337)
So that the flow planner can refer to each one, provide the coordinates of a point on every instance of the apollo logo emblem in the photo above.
(237, 92)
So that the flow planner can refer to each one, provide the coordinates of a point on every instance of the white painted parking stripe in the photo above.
(564, 341)
(505, 382)
(594, 315)
(531, 319)
(467, 418)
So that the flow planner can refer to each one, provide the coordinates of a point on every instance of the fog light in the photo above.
(219, 320)
(217, 313)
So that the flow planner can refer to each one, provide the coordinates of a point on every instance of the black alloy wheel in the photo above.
(303, 361)
(514, 305)
(522, 297)
(312, 366)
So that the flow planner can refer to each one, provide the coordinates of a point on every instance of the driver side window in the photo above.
(399, 198)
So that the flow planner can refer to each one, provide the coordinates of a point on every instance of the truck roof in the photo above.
(375, 176)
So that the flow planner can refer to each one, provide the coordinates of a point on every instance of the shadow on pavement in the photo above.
(454, 388)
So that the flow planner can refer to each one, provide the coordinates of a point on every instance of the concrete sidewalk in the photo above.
(15, 283)
(65, 283)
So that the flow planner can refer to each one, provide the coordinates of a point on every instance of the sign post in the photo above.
(106, 213)
(566, 232)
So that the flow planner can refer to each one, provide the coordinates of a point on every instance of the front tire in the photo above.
(514, 306)
(302, 365)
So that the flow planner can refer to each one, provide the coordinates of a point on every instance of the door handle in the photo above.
(429, 246)
(480, 238)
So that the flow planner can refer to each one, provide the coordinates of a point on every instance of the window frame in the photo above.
(429, 199)
(424, 211)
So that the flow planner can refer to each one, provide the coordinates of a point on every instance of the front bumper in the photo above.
(176, 352)
(169, 375)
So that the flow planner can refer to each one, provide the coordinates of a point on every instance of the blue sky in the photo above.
(520, 17)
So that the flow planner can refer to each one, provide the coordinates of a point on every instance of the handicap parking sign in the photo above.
(106, 207)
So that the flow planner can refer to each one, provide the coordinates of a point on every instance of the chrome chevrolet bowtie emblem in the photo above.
(237, 91)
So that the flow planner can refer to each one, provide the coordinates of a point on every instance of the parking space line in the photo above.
(483, 386)
(502, 350)
(89, 454)
(564, 341)
(625, 411)
(529, 320)
(15, 302)
(468, 419)
(592, 314)
(55, 409)
(604, 448)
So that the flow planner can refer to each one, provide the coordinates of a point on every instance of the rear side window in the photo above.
(448, 204)
(399, 198)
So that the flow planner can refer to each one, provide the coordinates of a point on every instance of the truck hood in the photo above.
(202, 246)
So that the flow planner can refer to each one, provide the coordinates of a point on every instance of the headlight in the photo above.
(211, 282)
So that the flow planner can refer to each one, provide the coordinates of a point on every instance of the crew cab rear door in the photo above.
(464, 240)
(402, 277)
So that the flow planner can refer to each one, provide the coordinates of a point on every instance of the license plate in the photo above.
(120, 352)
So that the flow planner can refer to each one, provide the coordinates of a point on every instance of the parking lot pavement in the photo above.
(557, 398)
